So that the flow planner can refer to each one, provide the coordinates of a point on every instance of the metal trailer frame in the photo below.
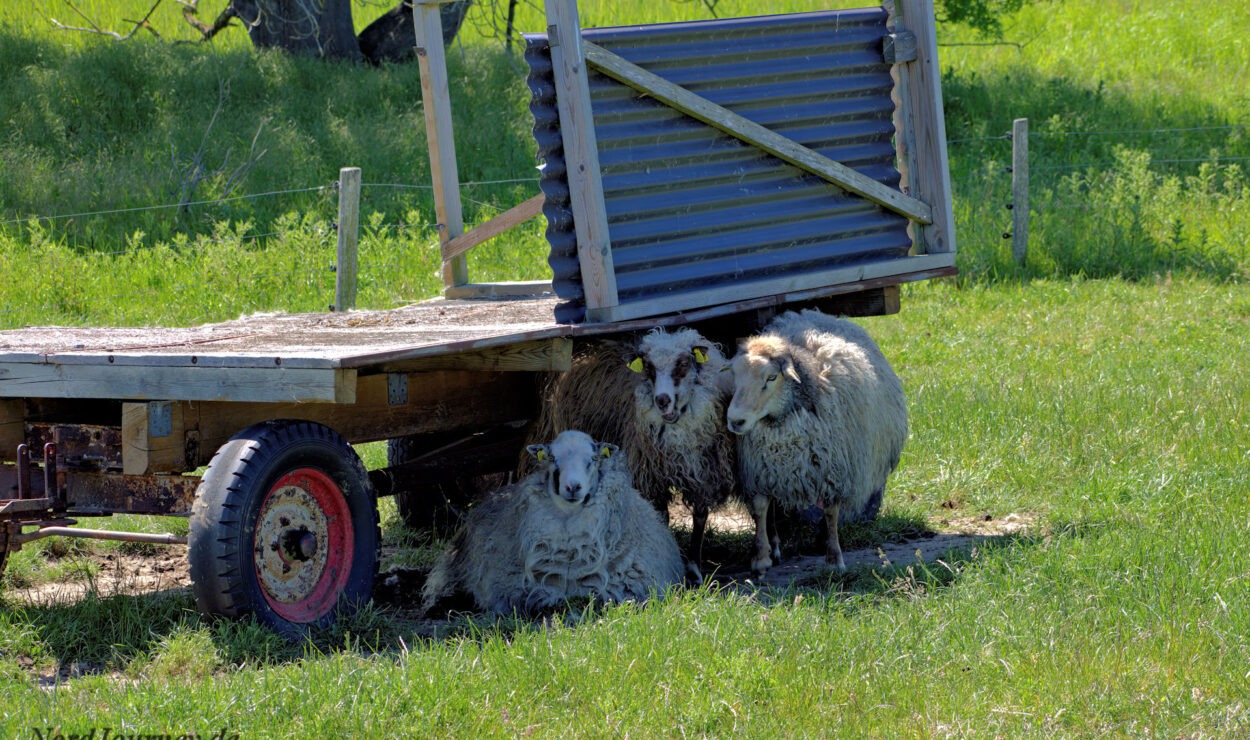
(95, 422)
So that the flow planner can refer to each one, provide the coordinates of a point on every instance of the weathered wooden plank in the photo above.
(348, 231)
(754, 134)
(139, 383)
(510, 218)
(144, 451)
(436, 101)
(437, 401)
(921, 137)
(143, 360)
(544, 355)
(503, 289)
(581, 153)
(840, 276)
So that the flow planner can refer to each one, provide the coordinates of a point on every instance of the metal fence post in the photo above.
(349, 224)
(1020, 189)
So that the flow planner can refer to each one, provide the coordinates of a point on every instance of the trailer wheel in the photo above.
(284, 528)
(437, 506)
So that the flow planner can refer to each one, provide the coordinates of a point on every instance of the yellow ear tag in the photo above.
(607, 452)
(699, 355)
(636, 365)
(541, 455)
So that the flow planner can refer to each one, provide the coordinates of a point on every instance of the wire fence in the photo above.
(982, 191)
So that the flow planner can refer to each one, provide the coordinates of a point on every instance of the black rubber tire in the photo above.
(284, 528)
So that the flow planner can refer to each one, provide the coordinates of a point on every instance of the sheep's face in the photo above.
(572, 466)
(671, 365)
(761, 371)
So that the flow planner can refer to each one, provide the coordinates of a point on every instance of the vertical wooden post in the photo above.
(581, 153)
(436, 100)
(1020, 189)
(349, 229)
(921, 137)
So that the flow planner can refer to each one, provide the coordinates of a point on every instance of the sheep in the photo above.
(662, 398)
(821, 421)
(576, 526)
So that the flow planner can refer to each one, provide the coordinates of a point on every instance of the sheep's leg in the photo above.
(759, 510)
(774, 538)
(833, 548)
(694, 553)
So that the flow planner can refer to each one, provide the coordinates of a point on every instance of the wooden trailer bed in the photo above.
(666, 206)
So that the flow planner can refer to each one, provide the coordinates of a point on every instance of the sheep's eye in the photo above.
(772, 377)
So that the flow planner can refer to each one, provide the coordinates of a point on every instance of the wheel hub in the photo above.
(290, 535)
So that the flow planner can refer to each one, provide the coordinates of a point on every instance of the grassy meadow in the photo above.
(1099, 392)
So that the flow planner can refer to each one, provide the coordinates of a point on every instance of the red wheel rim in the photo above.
(303, 545)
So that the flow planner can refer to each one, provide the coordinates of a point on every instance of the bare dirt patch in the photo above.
(163, 571)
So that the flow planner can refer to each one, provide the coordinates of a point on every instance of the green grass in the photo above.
(1100, 389)
(1116, 411)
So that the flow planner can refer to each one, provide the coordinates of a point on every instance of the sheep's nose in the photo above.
(735, 425)
(663, 401)
(573, 488)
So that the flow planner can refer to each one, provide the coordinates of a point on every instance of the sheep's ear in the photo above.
(541, 453)
(700, 354)
(606, 450)
(787, 367)
(635, 364)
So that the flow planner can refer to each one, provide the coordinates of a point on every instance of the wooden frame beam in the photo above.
(510, 218)
(436, 101)
(581, 153)
(921, 128)
(717, 116)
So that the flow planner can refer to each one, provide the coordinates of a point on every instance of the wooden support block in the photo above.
(12, 427)
(153, 438)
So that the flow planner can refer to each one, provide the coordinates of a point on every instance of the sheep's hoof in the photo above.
(760, 566)
(837, 563)
(694, 576)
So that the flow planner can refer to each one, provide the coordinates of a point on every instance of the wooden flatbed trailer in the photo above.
(102, 421)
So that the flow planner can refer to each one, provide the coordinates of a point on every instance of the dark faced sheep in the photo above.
(576, 526)
(821, 419)
(662, 398)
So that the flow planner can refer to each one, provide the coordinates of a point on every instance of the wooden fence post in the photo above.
(1020, 189)
(349, 227)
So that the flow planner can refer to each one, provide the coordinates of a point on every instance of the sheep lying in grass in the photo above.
(576, 526)
(662, 398)
(821, 419)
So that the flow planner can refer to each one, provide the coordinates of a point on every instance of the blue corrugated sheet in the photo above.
(690, 207)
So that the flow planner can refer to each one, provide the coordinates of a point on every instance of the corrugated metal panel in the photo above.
(690, 207)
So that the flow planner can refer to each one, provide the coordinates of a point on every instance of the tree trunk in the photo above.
(316, 28)
(392, 37)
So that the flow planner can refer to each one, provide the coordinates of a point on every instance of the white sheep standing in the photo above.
(576, 526)
(662, 399)
(821, 419)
